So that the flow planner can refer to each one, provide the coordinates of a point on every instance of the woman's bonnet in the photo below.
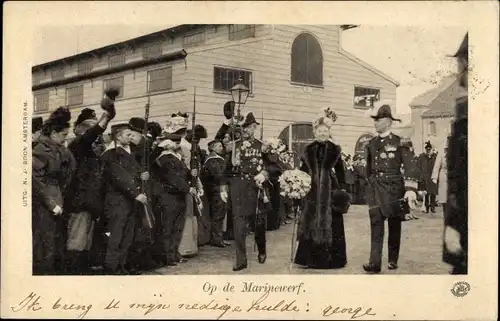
(328, 118)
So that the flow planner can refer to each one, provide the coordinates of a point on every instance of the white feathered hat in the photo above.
(382, 109)
(327, 118)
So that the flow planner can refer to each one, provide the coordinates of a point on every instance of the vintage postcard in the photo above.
(313, 163)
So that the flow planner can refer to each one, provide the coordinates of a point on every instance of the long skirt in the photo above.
(324, 256)
(189, 242)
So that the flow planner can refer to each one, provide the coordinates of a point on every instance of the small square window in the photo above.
(365, 97)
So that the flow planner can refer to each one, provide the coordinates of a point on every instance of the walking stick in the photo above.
(294, 241)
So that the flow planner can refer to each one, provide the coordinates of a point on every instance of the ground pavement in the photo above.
(420, 250)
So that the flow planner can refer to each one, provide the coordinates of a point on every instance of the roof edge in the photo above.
(434, 88)
(119, 45)
(368, 66)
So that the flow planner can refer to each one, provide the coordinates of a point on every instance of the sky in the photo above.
(413, 55)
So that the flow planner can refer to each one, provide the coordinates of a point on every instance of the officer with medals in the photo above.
(456, 214)
(245, 175)
(385, 156)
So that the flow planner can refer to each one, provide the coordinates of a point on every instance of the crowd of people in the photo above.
(148, 196)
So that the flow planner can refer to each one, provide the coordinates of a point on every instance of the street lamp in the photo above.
(240, 95)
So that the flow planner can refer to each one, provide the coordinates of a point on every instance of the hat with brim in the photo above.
(212, 143)
(382, 111)
(248, 119)
(175, 128)
(137, 124)
(463, 50)
(117, 128)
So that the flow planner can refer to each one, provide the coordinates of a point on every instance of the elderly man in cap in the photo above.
(36, 129)
(385, 156)
(83, 197)
(245, 174)
(456, 215)
(122, 177)
(213, 169)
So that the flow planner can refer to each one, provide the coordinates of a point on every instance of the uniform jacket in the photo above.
(83, 193)
(53, 167)
(386, 159)
(323, 162)
(121, 180)
(426, 165)
(212, 172)
(252, 161)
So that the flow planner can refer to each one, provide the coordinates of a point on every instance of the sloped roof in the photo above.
(360, 62)
(426, 99)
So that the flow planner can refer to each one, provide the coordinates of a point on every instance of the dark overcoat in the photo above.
(121, 181)
(425, 167)
(84, 193)
(323, 162)
(386, 159)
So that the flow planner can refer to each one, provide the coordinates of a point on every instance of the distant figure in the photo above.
(426, 164)
(440, 175)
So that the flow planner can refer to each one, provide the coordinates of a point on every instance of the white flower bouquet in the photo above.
(294, 184)
(273, 146)
(287, 159)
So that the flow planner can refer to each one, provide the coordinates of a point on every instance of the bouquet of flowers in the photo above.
(294, 184)
(273, 146)
(348, 162)
(287, 159)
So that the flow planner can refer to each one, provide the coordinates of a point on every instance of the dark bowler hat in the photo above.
(463, 50)
(137, 124)
(36, 124)
(154, 129)
(115, 129)
(428, 145)
(249, 120)
(229, 109)
(85, 114)
(384, 111)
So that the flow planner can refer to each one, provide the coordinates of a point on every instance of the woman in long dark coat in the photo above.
(53, 167)
(321, 234)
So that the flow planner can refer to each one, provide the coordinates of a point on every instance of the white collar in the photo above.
(114, 145)
(213, 156)
(169, 152)
(385, 134)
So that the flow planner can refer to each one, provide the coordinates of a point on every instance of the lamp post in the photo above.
(240, 94)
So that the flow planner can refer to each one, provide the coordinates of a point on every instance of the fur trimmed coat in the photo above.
(323, 162)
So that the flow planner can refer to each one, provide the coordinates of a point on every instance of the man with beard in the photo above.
(456, 214)
(83, 198)
(244, 178)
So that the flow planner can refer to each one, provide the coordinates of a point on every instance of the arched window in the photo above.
(432, 128)
(302, 134)
(307, 60)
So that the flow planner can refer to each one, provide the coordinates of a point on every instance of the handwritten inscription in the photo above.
(268, 302)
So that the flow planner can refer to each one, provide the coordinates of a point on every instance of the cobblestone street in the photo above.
(420, 250)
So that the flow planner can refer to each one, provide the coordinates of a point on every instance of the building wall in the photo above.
(268, 56)
(443, 129)
(417, 123)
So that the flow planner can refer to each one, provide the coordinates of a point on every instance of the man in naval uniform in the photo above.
(456, 214)
(243, 182)
(385, 156)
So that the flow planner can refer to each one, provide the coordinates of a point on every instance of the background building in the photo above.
(292, 71)
(432, 113)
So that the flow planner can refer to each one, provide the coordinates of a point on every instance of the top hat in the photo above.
(137, 124)
(463, 50)
(36, 124)
(248, 120)
(229, 109)
(85, 114)
(382, 110)
(108, 101)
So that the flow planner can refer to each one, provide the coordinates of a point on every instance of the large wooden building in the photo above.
(292, 71)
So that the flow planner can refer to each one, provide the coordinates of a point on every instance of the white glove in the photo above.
(434, 181)
(57, 210)
(259, 179)
(200, 192)
(223, 196)
(452, 240)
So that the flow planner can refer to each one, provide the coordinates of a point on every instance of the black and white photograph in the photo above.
(251, 152)
(267, 149)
